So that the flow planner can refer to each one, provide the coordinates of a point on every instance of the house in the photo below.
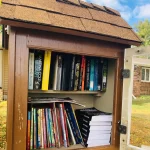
(67, 26)
(141, 83)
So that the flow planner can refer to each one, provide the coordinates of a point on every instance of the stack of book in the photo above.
(57, 71)
(95, 126)
(52, 125)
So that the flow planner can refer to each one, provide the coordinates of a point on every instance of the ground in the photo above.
(140, 124)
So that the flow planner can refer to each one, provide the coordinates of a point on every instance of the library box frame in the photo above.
(20, 41)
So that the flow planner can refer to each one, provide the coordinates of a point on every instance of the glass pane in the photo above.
(147, 74)
(140, 116)
(143, 74)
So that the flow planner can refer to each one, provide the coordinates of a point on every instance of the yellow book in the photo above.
(46, 70)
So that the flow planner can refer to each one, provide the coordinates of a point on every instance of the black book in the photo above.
(38, 69)
(66, 67)
(87, 74)
(77, 72)
(72, 74)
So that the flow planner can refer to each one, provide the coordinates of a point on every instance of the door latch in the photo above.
(125, 73)
(122, 129)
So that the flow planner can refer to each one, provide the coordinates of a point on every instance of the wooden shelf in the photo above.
(78, 146)
(97, 93)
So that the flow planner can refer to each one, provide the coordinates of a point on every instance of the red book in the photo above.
(65, 121)
(29, 125)
(44, 128)
(83, 64)
(59, 127)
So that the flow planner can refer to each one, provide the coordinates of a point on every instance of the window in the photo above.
(146, 74)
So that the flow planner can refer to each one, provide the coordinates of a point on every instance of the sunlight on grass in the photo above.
(140, 123)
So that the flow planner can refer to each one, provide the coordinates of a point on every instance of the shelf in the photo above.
(97, 93)
(78, 146)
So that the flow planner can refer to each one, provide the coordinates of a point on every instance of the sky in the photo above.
(132, 11)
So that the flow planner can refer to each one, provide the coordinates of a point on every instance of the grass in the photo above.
(140, 123)
(3, 113)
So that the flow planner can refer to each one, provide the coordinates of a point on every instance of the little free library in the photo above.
(65, 73)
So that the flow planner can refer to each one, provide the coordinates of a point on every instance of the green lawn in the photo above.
(3, 108)
(140, 124)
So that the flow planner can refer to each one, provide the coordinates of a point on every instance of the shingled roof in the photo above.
(70, 14)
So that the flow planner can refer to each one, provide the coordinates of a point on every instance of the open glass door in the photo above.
(135, 57)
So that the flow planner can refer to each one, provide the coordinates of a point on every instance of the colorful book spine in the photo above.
(31, 71)
(32, 132)
(63, 125)
(38, 70)
(77, 73)
(87, 76)
(35, 129)
(83, 72)
(29, 131)
(39, 128)
(51, 128)
(46, 70)
(44, 129)
(96, 62)
(42, 132)
(47, 129)
(72, 74)
(92, 75)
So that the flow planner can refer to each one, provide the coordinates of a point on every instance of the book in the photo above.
(31, 71)
(92, 75)
(77, 73)
(87, 74)
(32, 132)
(38, 70)
(72, 74)
(39, 128)
(82, 74)
(44, 129)
(96, 62)
(46, 70)
(58, 73)
(42, 132)
(35, 129)
(29, 131)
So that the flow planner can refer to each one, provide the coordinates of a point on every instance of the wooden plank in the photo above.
(21, 92)
(11, 87)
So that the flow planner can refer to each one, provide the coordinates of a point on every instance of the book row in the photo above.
(52, 126)
(67, 72)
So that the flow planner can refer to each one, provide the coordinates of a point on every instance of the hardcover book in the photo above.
(87, 75)
(38, 70)
(92, 75)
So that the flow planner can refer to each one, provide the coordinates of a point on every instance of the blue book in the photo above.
(47, 127)
(73, 123)
(96, 61)
(92, 75)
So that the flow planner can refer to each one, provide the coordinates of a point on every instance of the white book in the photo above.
(31, 71)
(55, 74)
(101, 123)
(99, 128)
(98, 142)
(102, 118)
(95, 133)
(99, 137)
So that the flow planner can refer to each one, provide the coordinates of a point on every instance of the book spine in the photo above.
(46, 70)
(100, 68)
(47, 129)
(29, 126)
(59, 73)
(55, 74)
(32, 124)
(63, 125)
(71, 132)
(104, 75)
(51, 128)
(38, 67)
(35, 128)
(39, 128)
(31, 71)
(42, 130)
(77, 73)
(83, 73)
(71, 83)
(92, 75)
(87, 81)
(96, 74)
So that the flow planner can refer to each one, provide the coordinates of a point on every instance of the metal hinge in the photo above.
(125, 73)
(122, 129)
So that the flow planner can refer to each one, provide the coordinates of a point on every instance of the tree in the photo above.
(143, 30)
